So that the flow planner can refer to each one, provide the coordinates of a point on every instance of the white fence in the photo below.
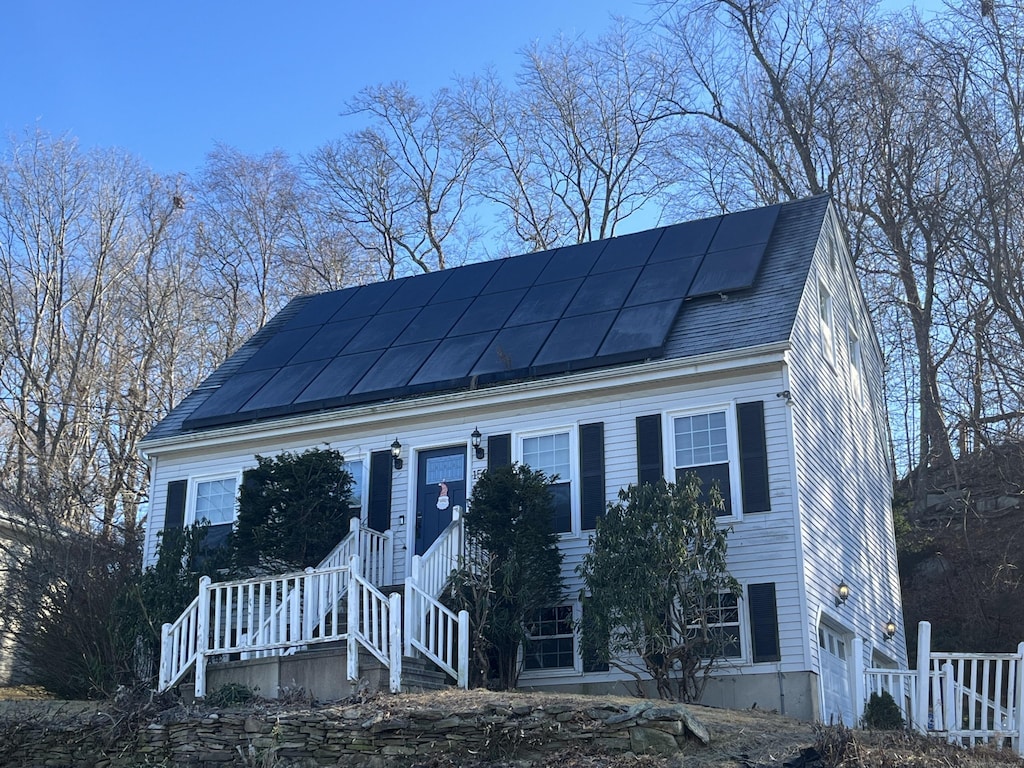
(967, 698)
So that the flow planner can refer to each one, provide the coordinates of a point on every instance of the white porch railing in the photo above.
(280, 614)
(968, 698)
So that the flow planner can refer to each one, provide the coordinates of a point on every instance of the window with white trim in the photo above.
(721, 623)
(355, 469)
(825, 315)
(552, 454)
(216, 501)
(552, 640)
(703, 447)
(853, 349)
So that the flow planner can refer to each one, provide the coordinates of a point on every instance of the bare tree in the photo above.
(578, 146)
(400, 185)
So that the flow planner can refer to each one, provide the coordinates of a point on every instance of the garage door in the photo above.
(836, 694)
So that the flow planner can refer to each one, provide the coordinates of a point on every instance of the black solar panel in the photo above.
(329, 340)
(395, 368)
(367, 300)
(512, 351)
(279, 349)
(640, 329)
(320, 308)
(745, 228)
(727, 271)
(604, 291)
(434, 321)
(627, 251)
(546, 301)
(336, 380)
(281, 389)
(453, 359)
(576, 307)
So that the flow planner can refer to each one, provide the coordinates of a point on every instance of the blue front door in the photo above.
(440, 485)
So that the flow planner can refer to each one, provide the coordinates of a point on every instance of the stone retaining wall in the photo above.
(354, 735)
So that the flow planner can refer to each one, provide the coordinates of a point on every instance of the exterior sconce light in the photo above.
(396, 454)
(842, 593)
(475, 439)
(890, 630)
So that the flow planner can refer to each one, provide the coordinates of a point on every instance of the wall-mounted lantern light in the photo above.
(842, 593)
(890, 630)
(475, 438)
(396, 454)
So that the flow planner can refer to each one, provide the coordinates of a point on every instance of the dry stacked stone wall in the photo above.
(368, 734)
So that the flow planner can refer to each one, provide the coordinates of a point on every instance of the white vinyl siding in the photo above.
(842, 467)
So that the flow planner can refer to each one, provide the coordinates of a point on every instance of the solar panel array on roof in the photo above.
(577, 307)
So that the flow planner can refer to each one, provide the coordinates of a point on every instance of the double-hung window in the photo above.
(355, 501)
(718, 627)
(703, 447)
(552, 641)
(215, 502)
(552, 454)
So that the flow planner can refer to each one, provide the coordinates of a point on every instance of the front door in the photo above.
(440, 485)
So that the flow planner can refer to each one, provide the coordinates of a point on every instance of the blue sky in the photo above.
(168, 80)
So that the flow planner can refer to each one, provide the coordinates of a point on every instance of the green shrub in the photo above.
(883, 713)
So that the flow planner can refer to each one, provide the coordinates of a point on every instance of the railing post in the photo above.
(308, 603)
(388, 568)
(463, 666)
(395, 641)
(924, 660)
(166, 656)
(1018, 699)
(407, 618)
(859, 682)
(353, 621)
(950, 708)
(202, 635)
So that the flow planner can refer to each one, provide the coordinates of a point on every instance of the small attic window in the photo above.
(825, 314)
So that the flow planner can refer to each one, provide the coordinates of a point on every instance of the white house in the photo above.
(737, 346)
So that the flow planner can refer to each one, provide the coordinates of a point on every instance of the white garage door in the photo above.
(836, 694)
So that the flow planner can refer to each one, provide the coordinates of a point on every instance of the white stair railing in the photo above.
(277, 614)
(178, 645)
(376, 624)
(431, 628)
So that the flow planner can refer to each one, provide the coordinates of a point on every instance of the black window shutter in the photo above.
(764, 622)
(649, 468)
(499, 451)
(174, 512)
(378, 512)
(753, 457)
(592, 499)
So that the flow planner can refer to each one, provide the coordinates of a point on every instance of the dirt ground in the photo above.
(739, 738)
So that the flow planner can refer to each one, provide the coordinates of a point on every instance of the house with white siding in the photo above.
(738, 347)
